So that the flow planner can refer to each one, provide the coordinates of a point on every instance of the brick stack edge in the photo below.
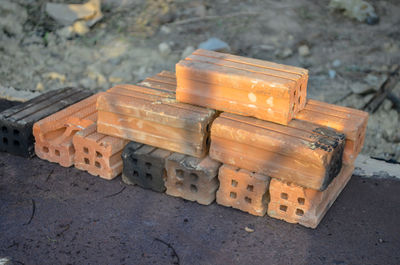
(227, 128)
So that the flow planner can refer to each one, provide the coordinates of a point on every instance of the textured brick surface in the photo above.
(243, 190)
(98, 154)
(310, 156)
(53, 135)
(16, 123)
(144, 165)
(164, 81)
(152, 116)
(194, 179)
(351, 122)
(296, 204)
(245, 86)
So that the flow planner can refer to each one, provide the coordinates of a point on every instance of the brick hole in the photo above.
(179, 174)
(299, 212)
(299, 99)
(284, 196)
(149, 176)
(250, 187)
(135, 173)
(194, 177)
(45, 149)
(193, 188)
(4, 129)
(247, 199)
(233, 195)
(134, 161)
(179, 185)
(283, 208)
(98, 154)
(208, 140)
(234, 183)
(5, 140)
(97, 164)
(148, 165)
(87, 161)
(86, 150)
(57, 152)
(15, 132)
(301, 201)
(16, 143)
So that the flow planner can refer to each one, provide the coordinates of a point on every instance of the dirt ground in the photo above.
(348, 60)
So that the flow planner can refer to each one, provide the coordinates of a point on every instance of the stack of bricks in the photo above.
(227, 128)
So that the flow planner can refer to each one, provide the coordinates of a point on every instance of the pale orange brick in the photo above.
(243, 190)
(296, 204)
(98, 154)
(53, 135)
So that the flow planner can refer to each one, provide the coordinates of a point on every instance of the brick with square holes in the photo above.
(144, 165)
(191, 178)
(350, 122)
(240, 85)
(98, 154)
(306, 156)
(243, 190)
(53, 134)
(296, 204)
(151, 115)
(16, 123)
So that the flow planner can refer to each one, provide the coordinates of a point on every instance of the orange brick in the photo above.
(165, 81)
(98, 154)
(300, 155)
(152, 116)
(351, 122)
(295, 204)
(245, 86)
(53, 135)
(243, 190)
(192, 178)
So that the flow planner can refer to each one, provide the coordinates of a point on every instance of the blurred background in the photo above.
(351, 47)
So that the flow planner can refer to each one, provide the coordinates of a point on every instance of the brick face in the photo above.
(300, 155)
(16, 123)
(97, 153)
(245, 86)
(53, 134)
(192, 178)
(243, 190)
(296, 204)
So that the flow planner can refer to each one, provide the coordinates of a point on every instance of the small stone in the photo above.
(55, 76)
(187, 51)
(360, 88)
(214, 44)
(331, 73)
(336, 63)
(166, 30)
(66, 32)
(287, 52)
(304, 51)
(80, 28)
(88, 83)
(164, 49)
(248, 229)
(390, 47)
(39, 86)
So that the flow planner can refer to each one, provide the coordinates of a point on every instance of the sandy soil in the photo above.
(345, 55)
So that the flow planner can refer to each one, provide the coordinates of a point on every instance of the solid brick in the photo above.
(16, 123)
(310, 156)
(98, 154)
(53, 135)
(243, 190)
(295, 204)
(245, 86)
(153, 116)
(191, 178)
(144, 165)
(351, 122)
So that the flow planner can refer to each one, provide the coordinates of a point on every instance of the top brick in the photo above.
(245, 86)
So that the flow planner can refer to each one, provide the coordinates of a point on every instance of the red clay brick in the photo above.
(298, 155)
(243, 190)
(245, 86)
(165, 81)
(53, 135)
(192, 178)
(295, 204)
(351, 122)
(153, 116)
(98, 154)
